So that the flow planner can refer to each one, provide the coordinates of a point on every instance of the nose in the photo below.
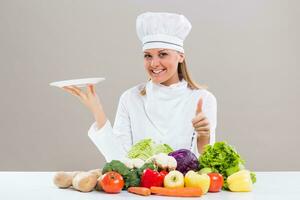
(155, 62)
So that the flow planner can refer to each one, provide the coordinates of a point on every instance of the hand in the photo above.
(90, 99)
(200, 122)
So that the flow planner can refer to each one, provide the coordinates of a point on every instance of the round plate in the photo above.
(77, 82)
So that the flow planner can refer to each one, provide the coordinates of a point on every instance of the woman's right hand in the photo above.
(91, 100)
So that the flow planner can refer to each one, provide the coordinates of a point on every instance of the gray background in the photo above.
(247, 52)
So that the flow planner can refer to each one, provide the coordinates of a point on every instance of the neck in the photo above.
(172, 80)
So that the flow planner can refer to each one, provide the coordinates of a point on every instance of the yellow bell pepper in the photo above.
(240, 181)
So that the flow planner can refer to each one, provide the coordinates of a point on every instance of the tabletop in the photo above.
(39, 185)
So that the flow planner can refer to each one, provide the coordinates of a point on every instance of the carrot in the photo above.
(177, 192)
(140, 190)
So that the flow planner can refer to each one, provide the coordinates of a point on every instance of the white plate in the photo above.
(77, 82)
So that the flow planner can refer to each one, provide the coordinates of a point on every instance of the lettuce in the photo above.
(222, 158)
(146, 148)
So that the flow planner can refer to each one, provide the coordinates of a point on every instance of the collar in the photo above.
(161, 91)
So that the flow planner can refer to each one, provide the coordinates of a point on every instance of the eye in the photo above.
(163, 54)
(147, 56)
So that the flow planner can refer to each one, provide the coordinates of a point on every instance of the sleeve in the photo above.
(115, 142)
(210, 111)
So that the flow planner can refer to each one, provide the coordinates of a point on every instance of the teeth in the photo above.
(158, 71)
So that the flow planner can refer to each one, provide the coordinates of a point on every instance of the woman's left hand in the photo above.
(200, 122)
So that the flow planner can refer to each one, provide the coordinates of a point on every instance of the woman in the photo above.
(170, 108)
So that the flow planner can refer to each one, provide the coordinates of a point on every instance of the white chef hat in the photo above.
(162, 30)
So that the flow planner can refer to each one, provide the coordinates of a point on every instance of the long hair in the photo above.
(183, 73)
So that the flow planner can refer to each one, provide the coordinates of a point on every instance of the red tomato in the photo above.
(112, 182)
(216, 182)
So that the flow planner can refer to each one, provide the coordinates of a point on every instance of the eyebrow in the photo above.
(158, 51)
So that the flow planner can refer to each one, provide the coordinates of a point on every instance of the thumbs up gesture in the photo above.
(200, 122)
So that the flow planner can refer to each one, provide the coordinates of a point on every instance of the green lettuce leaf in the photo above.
(222, 158)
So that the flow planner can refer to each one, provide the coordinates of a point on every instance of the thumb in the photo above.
(199, 106)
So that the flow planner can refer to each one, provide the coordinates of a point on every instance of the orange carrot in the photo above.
(177, 192)
(140, 190)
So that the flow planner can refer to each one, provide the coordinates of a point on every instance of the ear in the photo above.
(181, 57)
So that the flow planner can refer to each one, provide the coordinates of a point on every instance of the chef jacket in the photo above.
(164, 114)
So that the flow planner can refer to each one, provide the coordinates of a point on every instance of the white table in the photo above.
(39, 186)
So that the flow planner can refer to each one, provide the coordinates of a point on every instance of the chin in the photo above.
(157, 80)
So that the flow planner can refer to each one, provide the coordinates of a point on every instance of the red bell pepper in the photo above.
(163, 173)
(152, 178)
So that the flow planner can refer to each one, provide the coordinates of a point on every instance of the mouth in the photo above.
(158, 72)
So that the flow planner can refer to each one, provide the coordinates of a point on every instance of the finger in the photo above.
(202, 128)
(199, 106)
(198, 118)
(71, 91)
(202, 123)
(91, 89)
(75, 88)
(78, 91)
(74, 93)
(203, 133)
(68, 89)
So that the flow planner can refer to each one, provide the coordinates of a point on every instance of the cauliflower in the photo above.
(164, 161)
(133, 163)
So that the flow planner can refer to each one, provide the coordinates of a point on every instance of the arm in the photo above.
(112, 142)
(91, 100)
(205, 121)
(115, 142)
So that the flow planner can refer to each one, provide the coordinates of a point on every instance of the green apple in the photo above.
(174, 179)
(205, 170)
(193, 179)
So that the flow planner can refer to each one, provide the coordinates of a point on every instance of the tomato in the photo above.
(112, 182)
(216, 182)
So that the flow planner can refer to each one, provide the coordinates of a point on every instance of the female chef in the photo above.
(170, 108)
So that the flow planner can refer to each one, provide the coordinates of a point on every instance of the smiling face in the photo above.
(162, 64)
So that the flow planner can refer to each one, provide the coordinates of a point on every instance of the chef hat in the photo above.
(162, 30)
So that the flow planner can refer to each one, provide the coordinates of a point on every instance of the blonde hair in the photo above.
(183, 73)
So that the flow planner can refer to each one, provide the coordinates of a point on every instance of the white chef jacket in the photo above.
(164, 114)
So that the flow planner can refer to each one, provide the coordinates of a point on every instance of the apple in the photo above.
(205, 170)
(193, 179)
(174, 179)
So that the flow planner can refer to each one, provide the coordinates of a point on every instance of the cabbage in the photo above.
(146, 148)
(142, 150)
(186, 160)
(162, 148)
